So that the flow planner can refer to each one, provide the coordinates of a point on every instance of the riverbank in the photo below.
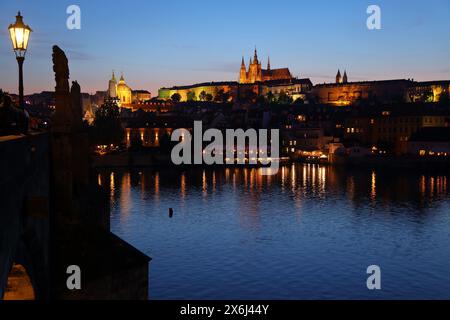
(142, 160)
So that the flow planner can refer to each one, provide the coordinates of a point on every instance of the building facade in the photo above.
(346, 93)
(391, 130)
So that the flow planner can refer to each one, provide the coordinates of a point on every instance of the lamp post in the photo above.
(20, 34)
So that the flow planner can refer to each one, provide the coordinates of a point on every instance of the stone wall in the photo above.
(24, 208)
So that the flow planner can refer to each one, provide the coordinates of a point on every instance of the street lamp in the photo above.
(20, 33)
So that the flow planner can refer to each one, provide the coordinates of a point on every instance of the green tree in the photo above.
(176, 97)
(107, 127)
(191, 96)
(428, 96)
(283, 98)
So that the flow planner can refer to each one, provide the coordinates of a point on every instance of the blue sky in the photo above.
(177, 42)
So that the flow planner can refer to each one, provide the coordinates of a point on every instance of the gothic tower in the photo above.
(339, 77)
(243, 73)
(345, 78)
(255, 70)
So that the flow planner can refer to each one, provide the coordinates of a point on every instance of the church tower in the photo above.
(112, 92)
(243, 72)
(345, 78)
(339, 77)
(255, 70)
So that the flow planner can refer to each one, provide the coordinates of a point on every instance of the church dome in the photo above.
(124, 91)
(122, 85)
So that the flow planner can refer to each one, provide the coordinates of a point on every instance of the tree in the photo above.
(222, 96)
(202, 96)
(283, 98)
(444, 97)
(107, 127)
(299, 102)
(270, 97)
(176, 97)
(428, 96)
(209, 97)
(191, 96)
(261, 100)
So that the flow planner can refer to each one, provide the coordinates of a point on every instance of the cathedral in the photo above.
(119, 91)
(256, 73)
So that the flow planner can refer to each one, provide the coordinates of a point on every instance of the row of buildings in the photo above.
(365, 117)
(274, 82)
(420, 129)
(254, 81)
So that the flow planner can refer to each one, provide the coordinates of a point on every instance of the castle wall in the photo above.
(346, 94)
(184, 92)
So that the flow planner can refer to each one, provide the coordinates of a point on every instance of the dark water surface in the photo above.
(309, 232)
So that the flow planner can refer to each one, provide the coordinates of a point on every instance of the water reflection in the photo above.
(296, 182)
(297, 234)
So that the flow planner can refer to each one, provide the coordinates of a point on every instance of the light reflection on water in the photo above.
(308, 232)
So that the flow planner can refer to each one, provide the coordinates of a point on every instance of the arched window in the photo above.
(19, 285)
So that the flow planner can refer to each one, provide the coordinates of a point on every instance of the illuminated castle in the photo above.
(256, 73)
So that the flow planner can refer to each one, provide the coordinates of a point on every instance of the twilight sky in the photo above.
(159, 43)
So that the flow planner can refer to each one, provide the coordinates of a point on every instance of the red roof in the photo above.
(277, 74)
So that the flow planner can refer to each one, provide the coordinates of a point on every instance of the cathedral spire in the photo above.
(339, 77)
(268, 63)
(345, 77)
(255, 57)
(243, 63)
(113, 76)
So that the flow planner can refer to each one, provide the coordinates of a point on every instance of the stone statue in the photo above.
(61, 69)
(69, 106)
(77, 105)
